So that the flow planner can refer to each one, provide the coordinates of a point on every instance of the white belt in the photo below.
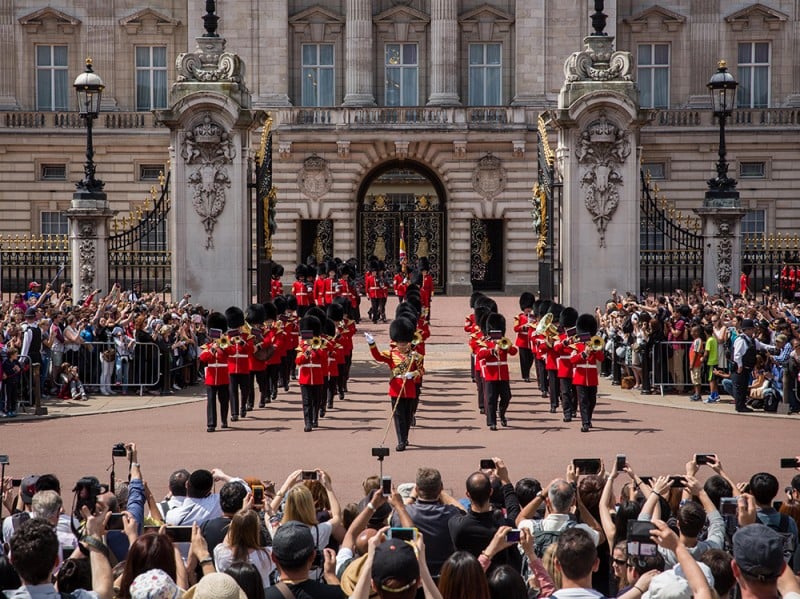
(495, 363)
(310, 365)
(300, 293)
(216, 365)
(586, 366)
(239, 355)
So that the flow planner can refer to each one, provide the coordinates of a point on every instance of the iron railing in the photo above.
(773, 264)
(29, 258)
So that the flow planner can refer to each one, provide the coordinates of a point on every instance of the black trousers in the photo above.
(374, 310)
(495, 390)
(541, 376)
(402, 417)
(525, 362)
(260, 377)
(214, 394)
(240, 391)
(741, 384)
(481, 390)
(311, 403)
(567, 396)
(553, 389)
(587, 398)
(273, 370)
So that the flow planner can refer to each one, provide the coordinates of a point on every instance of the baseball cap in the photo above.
(30, 313)
(217, 585)
(672, 584)
(395, 559)
(292, 542)
(758, 551)
(748, 323)
(28, 488)
(154, 584)
(33, 284)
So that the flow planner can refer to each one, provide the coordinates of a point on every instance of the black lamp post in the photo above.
(89, 89)
(722, 87)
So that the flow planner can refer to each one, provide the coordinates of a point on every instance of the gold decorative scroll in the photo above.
(548, 151)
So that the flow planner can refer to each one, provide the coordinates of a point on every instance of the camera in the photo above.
(309, 475)
(403, 534)
(386, 486)
(789, 463)
(380, 452)
(701, 459)
(512, 536)
(4, 459)
(639, 542)
(621, 459)
(587, 465)
(119, 451)
(487, 464)
(728, 506)
(258, 494)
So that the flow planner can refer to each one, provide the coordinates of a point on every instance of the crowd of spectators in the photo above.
(118, 343)
(684, 343)
(698, 534)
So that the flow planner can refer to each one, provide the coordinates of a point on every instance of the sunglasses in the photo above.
(620, 562)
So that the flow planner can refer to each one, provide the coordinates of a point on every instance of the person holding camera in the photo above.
(201, 504)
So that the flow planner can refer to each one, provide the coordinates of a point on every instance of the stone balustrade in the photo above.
(743, 117)
(73, 120)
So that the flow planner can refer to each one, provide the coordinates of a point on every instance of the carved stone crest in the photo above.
(315, 178)
(87, 254)
(603, 147)
(87, 229)
(489, 177)
(210, 62)
(599, 62)
(724, 251)
(209, 147)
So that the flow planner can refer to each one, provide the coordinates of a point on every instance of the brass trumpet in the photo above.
(417, 339)
(223, 342)
(316, 343)
(595, 343)
(504, 343)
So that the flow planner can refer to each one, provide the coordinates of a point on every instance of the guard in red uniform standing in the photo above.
(301, 291)
(522, 322)
(383, 290)
(494, 355)
(286, 307)
(347, 289)
(371, 287)
(318, 292)
(400, 283)
(273, 334)
(311, 360)
(332, 289)
(276, 286)
(239, 350)
(215, 361)
(535, 340)
(404, 364)
(563, 351)
(426, 286)
(585, 360)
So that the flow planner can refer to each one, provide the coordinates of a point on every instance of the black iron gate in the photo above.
(316, 240)
(671, 244)
(544, 201)
(139, 252)
(486, 250)
(424, 230)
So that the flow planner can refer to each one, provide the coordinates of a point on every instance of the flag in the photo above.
(402, 253)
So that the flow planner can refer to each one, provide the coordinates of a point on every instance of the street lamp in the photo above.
(89, 89)
(722, 88)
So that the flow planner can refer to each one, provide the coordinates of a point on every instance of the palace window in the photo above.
(485, 74)
(52, 78)
(653, 75)
(752, 170)
(402, 75)
(318, 75)
(753, 75)
(151, 77)
(53, 223)
(52, 172)
(753, 227)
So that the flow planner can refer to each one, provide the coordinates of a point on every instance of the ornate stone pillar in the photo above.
(529, 74)
(444, 53)
(210, 121)
(359, 80)
(722, 243)
(88, 241)
(598, 119)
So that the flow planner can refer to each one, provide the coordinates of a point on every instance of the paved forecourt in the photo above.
(657, 434)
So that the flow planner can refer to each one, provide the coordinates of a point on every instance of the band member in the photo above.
(311, 359)
(286, 305)
(563, 351)
(335, 359)
(523, 322)
(346, 329)
(477, 342)
(276, 286)
(400, 282)
(552, 334)
(332, 289)
(372, 288)
(383, 290)
(426, 287)
(404, 364)
(238, 351)
(274, 335)
(213, 356)
(318, 291)
(471, 327)
(410, 310)
(535, 341)
(258, 359)
(494, 356)
(347, 289)
(585, 359)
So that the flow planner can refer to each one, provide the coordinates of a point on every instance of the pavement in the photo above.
(446, 350)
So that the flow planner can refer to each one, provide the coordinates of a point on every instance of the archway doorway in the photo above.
(409, 194)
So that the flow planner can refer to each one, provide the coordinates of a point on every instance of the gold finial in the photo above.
(722, 64)
(138, 213)
(796, 241)
(161, 179)
(153, 191)
(88, 61)
(146, 204)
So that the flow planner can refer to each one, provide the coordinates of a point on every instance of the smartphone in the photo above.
(587, 465)
(404, 534)
(386, 486)
(777, 505)
(621, 460)
(310, 475)
(728, 506)
(114, 521)
(639, 542)
(16, 482)
(647, 480)
(701, 459)
(487, 464)
(789, 463)
(512, 536)
(4, 460)
(258, 494)
(677, 482)
(180, 534)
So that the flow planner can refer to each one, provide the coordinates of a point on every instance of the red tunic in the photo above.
(347, 290)
(239, 352)
(563, 350)
(400, 364)
(331, 291)
(276, 287)
(521, 329)
(216, 371)
(585, 365)
(426, 291)
(400, 283)
(371, 285)
(300, 291)
(311, 365)
(495, 361)
(318, 292)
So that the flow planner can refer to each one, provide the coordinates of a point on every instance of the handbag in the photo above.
(109, 355)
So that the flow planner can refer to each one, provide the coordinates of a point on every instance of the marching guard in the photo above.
(213, 357)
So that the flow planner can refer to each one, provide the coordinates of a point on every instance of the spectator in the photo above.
(177, 491)
(462, 576)
(758, 564)
(200, 504)
(150, 551)
(576, 559)
(231, 499)
(216, 585)
(242, 543)
(764, 488)
(248, 578)
(506, 583)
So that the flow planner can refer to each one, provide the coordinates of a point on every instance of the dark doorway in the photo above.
(486, 249)
(316, 240)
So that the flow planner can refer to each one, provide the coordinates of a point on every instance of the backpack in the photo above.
(771, 400)
(789, 542)
(542, 539)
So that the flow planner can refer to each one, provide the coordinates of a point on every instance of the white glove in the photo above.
(370, 339)
(409, 376)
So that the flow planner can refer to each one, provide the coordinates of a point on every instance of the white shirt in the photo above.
(740, 347)
(260, 558)
(198, 509)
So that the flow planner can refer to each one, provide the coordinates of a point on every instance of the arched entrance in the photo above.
(409, 193)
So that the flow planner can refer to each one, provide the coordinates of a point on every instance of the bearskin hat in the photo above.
(217, 321)
(335, 312)
(544, 307)
(489, 303)
(372, 266)
(277, 270)
(300, 271)
(496, 323)
(568, 318)
(526, 299)
(235, 317)
(406, 310)
(310, 324)
(402, 330)
(270, 311)
(474, 298)
(255, 314)
(347, 270)
(423, 264)
(381, 265)
(555, 310)
(291, 303)
(318, 312)
(415, 302)
(280, 303)
(322, 269)
(416, 278)
(481, 314)
(586, 325)
(412, 287)
(329, 328)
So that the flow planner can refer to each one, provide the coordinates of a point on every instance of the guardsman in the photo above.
(318, 292)
(523, 322)
(213, 357)
(262, 348)
(311, 360)
(585, 359)
(563, 351)
(238, 351)
(274, 335)
(426, 288)
(494, 356)
(301, 291)
(371, 287)
(276, 286)
(535, 340)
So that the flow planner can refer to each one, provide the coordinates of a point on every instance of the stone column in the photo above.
(210, 121)
(722, 242)
(271, 60)
(88, 244)
(359, 84)
(530, 73)
(8, 69)
(444, 53)
(599, 119)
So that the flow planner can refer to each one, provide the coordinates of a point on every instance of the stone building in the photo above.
(420, 112)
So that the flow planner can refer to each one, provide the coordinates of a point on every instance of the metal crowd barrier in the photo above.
(661, 375)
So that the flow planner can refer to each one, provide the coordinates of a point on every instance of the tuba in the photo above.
(545, 322)
(224, 342)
